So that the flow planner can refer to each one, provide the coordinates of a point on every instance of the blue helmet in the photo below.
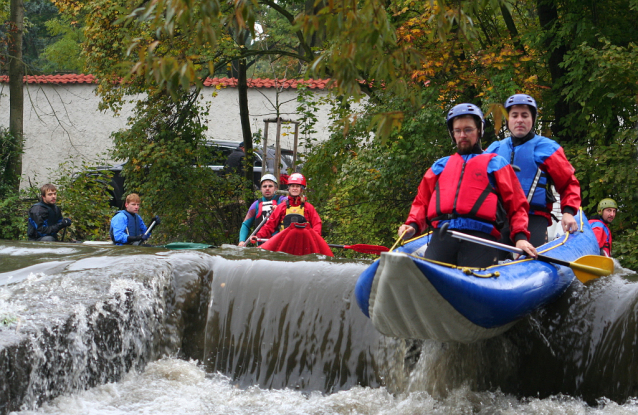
(465, 109)
(522, 99)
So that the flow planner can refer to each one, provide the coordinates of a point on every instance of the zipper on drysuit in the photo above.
(458, 187)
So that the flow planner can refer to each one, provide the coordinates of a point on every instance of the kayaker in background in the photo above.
(45, 217)
(542, 162)
(262, 207)
(127, 227)
(295, 208)
(466, 191)
(607, 209)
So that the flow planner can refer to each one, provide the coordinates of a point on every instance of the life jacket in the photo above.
(263, 208)
(599, 223)
(132, 224)
(534, 181)
(463, 190)
(52, 219)
(294, 214)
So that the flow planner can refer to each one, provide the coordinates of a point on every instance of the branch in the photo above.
(309, 55)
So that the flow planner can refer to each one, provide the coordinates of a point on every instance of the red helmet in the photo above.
(297, 178)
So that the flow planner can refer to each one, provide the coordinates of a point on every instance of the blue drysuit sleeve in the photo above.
(118, 226)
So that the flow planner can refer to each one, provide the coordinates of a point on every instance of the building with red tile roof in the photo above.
(224, 82)
(62, 120)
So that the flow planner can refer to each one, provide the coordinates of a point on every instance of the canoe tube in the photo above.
(407, 296)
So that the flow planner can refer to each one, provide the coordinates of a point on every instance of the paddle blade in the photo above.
(367, 249)
(590, 267)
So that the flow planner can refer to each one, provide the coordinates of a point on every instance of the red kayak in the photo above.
(298, 239)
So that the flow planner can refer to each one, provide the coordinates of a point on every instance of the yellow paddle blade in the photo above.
(590, 267)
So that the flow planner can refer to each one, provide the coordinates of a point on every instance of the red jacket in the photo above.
(503, 179)
(277, 217)
(602, 232)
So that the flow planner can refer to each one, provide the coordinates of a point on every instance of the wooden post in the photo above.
(278, 149)
(294, 148)
(264, 157)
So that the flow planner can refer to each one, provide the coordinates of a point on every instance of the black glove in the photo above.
(66, 222)
(157, 220)
(146, 236)
(130, 239)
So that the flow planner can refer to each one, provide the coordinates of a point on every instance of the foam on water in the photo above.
(172, 386)
(26, 251)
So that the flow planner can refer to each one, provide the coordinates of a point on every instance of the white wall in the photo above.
(62, 121)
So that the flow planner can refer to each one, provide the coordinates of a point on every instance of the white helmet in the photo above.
(268, 177)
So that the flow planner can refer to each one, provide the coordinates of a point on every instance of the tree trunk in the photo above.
(244, 116)
(548, 19)
(16, 96)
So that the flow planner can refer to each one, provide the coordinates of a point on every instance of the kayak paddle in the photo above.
(363, 248)
(586, 268)
(259, 227)
(137, 243)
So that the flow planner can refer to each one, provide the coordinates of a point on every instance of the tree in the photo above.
(16, 97)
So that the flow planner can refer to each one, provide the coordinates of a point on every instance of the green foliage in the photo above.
(14, 208)
(9, 150)
(362, 186)
(612, 171)
(65, 54)
(603, 82)
(85, 199)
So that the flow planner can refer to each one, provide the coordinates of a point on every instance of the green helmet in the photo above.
(606, 203)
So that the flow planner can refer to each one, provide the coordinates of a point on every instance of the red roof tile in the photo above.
(224, 82)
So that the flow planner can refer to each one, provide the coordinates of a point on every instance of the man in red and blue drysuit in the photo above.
(261, 208)
(607, 209)
(542, 162)
(469, 191)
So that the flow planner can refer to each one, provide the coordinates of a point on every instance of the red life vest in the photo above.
(263, 208)
(464, 190)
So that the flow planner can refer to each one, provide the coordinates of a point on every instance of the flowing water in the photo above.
(125, 330)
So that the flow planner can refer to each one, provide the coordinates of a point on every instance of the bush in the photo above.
(85, 199)
(14, 210)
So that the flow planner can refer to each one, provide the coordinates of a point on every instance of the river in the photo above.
(124, 330)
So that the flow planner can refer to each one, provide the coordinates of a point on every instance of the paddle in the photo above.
(259, 227)
(585, 268)
(137, 243)
(363, 248)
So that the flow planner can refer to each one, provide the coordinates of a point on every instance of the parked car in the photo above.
(217, 151)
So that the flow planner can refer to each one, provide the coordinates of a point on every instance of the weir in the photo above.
(85, 316)
(74, 316)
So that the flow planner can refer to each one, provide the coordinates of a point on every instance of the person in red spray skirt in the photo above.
(296, 211)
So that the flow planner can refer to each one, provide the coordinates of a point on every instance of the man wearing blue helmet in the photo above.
(542, 162)
(469, 191)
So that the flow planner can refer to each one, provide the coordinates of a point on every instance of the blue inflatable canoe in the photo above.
(408, 296)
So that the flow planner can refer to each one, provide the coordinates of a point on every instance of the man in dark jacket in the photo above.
(235, 161)
(45, 218)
